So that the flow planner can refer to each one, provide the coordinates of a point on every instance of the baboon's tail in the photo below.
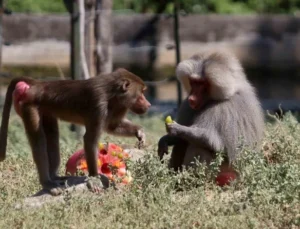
(6, 113)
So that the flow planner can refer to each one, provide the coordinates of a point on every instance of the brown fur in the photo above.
(100, 104)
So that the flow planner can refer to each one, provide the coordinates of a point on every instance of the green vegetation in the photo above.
(241, 6)
(36, 6)
(267, 195)
(191, 6)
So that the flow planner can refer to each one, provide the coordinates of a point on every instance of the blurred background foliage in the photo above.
(151, 6)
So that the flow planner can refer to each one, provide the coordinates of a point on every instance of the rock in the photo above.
(135, 154)
(74, 185)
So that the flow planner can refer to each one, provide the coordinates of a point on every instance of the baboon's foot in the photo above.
(97, 184)
(60, 179)
(54, 188)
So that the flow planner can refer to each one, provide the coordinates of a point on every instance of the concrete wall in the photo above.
(268, 46)
(257, 40)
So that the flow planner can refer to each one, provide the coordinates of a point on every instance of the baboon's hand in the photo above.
(141, 136)
(173, 128)
(162, 148)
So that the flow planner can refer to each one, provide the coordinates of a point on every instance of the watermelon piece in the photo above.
(224, 178)
(109, 155)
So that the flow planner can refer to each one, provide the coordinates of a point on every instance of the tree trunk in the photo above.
(90, 42)
(83, 60)
(103, 34)
(76, 55)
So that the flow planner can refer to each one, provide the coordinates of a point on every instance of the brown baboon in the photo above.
(100, 104)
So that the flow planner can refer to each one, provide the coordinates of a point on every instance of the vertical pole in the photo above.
(76, 70)
(177, 42)
(83, 61)
(90, 7)
(104, 36)
(1, 37)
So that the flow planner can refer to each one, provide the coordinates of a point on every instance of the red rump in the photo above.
(19, 94)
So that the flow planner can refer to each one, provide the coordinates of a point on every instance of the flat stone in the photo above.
(74, 185)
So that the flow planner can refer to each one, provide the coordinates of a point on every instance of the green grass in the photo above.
(267, 195)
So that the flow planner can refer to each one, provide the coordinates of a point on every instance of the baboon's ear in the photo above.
(125, 85)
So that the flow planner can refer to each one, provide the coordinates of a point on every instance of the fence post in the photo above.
(76, 70)
(177, 42)
(1, 37)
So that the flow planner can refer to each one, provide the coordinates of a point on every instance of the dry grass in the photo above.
(267, 195)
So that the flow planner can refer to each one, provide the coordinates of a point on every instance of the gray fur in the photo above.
(233, 113)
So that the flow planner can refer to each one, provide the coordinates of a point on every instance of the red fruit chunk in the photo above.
(224, 178)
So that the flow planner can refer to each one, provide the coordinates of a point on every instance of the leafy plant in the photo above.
(265, 196)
